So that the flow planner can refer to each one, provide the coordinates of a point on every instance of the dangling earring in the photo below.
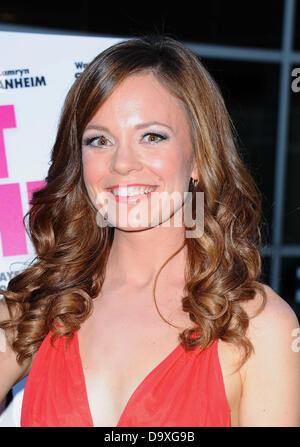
(194, 182)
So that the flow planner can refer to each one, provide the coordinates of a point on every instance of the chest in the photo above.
(117, 370)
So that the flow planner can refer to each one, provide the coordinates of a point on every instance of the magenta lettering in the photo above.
(12, 231)
(7, 120)
(33, 186)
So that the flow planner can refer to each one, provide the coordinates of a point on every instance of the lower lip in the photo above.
(133, 199)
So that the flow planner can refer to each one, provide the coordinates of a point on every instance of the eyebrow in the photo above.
(138, 126)
(151, 123)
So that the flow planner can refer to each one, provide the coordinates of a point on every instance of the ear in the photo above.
(194, 172)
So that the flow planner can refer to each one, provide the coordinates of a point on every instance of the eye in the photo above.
(96, 141)
(155, 137)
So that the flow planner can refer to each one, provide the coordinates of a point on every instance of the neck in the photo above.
(136, 256)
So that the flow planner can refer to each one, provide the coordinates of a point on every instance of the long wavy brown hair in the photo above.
(223, 265)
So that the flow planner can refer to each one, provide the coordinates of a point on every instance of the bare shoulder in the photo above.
(275, 305)
(272, 372)
(6, 336)
(268, 378)
(11, 371)
(275, 321)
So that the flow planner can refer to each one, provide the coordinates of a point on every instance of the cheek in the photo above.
(92, 176)
(89, 173)
(90, 168)
(174, 168)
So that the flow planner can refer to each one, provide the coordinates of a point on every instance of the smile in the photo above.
(128, 194)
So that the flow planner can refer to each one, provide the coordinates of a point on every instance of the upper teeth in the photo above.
(132, 190)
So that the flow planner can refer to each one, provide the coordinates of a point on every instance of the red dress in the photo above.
(185, 390)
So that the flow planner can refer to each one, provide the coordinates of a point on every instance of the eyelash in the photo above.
(88, 141)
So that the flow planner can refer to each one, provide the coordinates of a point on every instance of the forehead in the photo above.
(142, 96)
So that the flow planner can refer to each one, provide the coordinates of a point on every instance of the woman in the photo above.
(145, 117)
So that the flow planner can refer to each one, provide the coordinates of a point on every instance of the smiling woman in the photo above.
(145, 118)
(132, 155)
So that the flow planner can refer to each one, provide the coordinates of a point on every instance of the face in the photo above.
(140, 136)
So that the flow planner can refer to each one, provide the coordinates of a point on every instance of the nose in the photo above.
(125, 159)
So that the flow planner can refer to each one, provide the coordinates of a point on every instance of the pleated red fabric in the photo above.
(185, 390)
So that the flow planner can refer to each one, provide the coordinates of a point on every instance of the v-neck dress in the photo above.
(186, 389)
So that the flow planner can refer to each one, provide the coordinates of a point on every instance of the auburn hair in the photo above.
(223, 265)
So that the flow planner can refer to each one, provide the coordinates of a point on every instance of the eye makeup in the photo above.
(158, 135)
(88, 141)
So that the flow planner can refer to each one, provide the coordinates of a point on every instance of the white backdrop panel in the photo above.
(36, 72)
